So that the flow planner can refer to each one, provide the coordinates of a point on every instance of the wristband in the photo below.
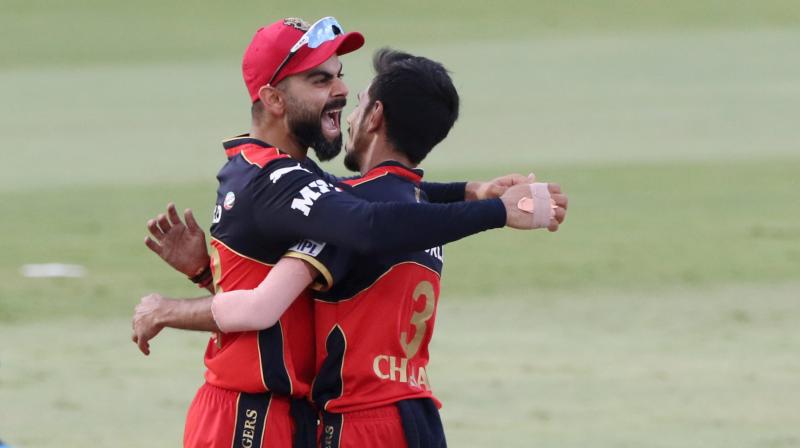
(202, 285)
(204, 278)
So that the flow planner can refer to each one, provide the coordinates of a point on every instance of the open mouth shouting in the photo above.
(331, 119)
(331, 123)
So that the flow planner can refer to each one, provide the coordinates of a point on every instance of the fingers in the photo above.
(560, 200)
(558, 218)
(509, 180)
(559, 214)
(561, 206)
(152, 226)
(514, 179)
(153, 245)
(497, 187)
(191, 224)
(174, 219)
(141, 323)
(495, 190)
(163, 223)
(144, 346)
(140, 342)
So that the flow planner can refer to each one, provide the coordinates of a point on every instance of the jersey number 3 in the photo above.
(419, 320)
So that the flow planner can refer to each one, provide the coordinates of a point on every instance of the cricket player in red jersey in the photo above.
(373, 327)
(270, 196)
(381, 396)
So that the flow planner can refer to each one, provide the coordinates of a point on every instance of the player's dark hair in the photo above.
(420, 102)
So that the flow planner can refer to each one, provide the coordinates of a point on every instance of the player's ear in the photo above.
(375, 119)
(272, 99)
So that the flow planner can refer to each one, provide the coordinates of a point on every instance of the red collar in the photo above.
(235, 145)
(390, 167)
(253, 150)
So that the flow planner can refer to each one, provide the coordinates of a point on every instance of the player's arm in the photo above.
(479, 190)
(240, 310)
(447, 192)
(473, 190)
(350, 222)
(155, 312)
(256, 309)
(298, 204)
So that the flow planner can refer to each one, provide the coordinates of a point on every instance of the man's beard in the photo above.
(351, 162)
(307, 129)
(357, 140)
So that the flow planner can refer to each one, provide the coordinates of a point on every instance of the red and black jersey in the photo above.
(268, 201)
(373, 327)
(277, 359)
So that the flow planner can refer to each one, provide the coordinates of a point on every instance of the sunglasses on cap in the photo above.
(323, 30)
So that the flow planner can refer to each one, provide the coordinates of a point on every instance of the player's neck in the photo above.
(279, 138)
(381, 151)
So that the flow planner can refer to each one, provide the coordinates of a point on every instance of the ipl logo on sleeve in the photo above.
(309, 247)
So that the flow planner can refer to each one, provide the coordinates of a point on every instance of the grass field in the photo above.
(663, 314)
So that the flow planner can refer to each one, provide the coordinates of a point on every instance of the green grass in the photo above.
(662, 314)
(676, 368)
(682, 368)
(647, 226)
(77, 32)
(675, 97)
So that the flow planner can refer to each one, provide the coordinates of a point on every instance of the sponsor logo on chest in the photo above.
(309, 195)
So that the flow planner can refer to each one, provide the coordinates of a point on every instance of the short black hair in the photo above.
(420, 102)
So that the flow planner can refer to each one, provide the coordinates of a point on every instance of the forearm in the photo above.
(188, 314)
(398, 227)
(260, 308)
(444, 193)
(305, 207)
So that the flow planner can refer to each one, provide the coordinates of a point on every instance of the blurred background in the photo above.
(664, 313)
